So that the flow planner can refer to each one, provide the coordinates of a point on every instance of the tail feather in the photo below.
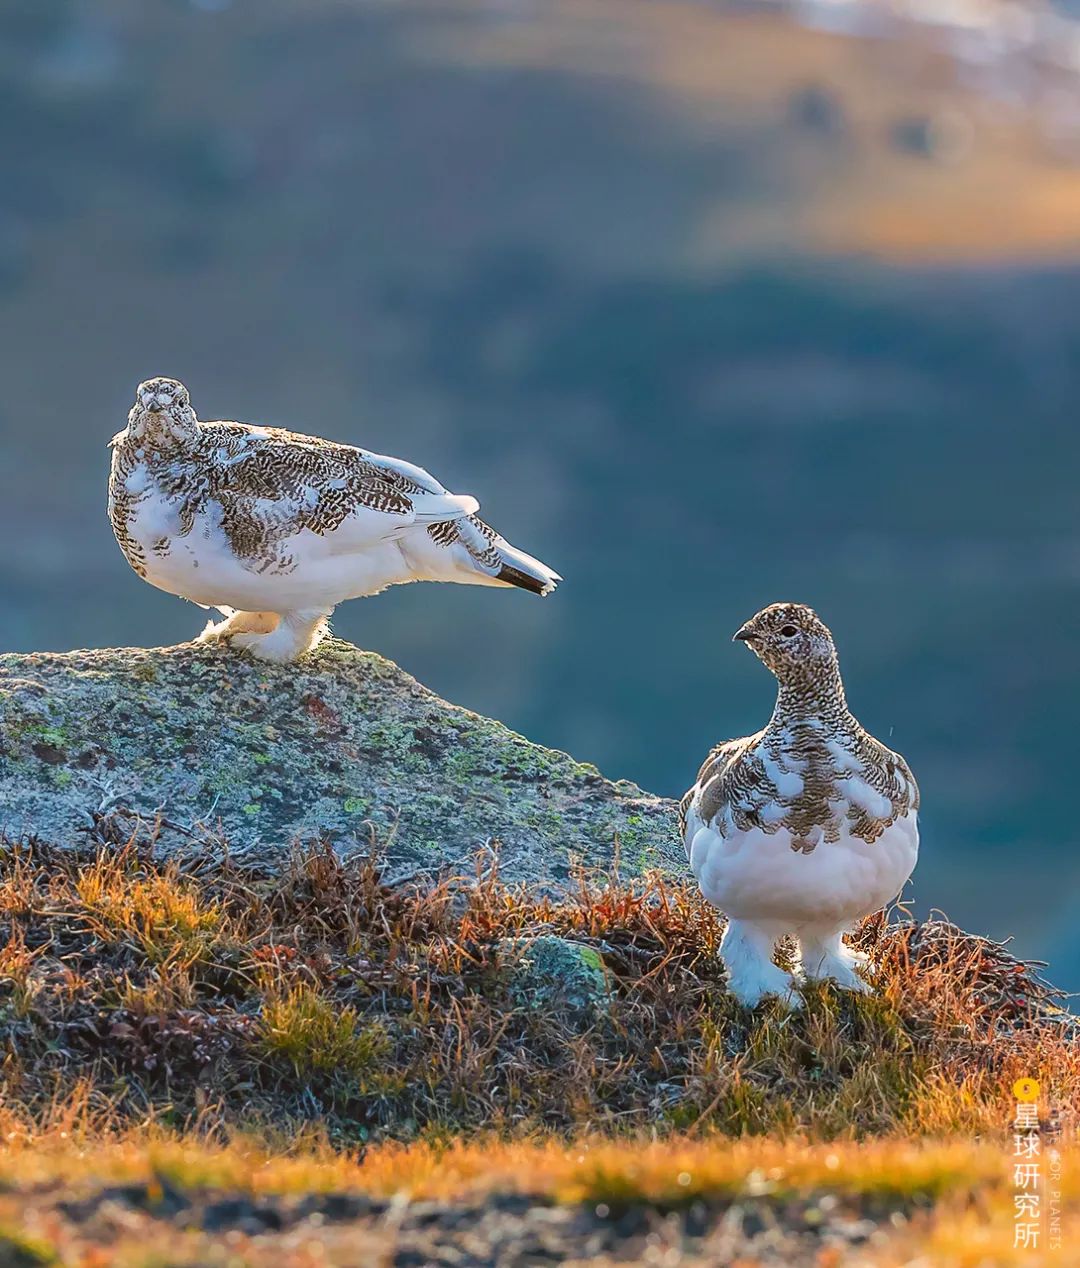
(515, 577)
(468, 550)
(522, 570)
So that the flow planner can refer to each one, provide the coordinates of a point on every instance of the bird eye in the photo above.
(789, 631)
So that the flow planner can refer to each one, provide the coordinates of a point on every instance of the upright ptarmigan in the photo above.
(804, 827)
(274, 528)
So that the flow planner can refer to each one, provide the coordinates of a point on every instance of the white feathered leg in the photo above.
(296, 633)
(825, 954)
(237, 623)
(746, 950)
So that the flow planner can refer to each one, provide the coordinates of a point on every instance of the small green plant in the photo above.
(168, 990)
(315, 1035)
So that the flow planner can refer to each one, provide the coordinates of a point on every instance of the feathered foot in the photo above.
(746, 950)
(826, 955)
(296, 633)
(237, 623)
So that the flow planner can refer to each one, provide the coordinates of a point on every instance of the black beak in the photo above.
(744, 635)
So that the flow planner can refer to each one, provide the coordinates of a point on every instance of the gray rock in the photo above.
(549, 970)
(345, 745)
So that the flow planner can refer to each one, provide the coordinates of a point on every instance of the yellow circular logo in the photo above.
(1026, 1089)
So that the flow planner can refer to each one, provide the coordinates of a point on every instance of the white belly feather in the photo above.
(754, 875)
(201, 565)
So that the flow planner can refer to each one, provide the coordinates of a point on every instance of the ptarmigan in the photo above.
(274, 528)
(804, 827)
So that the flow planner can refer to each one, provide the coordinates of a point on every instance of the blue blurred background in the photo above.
(710, 305)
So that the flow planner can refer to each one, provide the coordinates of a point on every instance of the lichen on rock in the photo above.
(220, 750)
(551, 971)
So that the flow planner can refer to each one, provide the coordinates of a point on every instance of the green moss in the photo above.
(55, 735)
(554, 971)
(681, 1115)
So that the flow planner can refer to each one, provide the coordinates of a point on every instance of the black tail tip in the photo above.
(524, 580)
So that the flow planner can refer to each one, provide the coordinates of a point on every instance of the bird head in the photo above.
(792, 641)
(162, 409)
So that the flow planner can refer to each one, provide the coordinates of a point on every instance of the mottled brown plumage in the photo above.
(811, 721)
(259, 475)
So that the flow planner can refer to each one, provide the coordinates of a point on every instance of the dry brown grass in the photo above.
(322, 996)
(670, 1173)
(203, 1028)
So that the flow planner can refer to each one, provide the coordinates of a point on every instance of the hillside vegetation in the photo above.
(208, 1047)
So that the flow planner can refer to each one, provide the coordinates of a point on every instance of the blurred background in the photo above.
(710, 304)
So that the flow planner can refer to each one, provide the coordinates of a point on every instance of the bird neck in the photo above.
(814, 695)
(165, 432)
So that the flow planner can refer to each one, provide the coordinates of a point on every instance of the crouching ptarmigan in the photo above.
(804, 827)
(274, 528)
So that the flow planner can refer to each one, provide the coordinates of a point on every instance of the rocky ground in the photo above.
(205, 748)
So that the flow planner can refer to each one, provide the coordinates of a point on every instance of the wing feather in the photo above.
(351, 497)
(728, 771)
